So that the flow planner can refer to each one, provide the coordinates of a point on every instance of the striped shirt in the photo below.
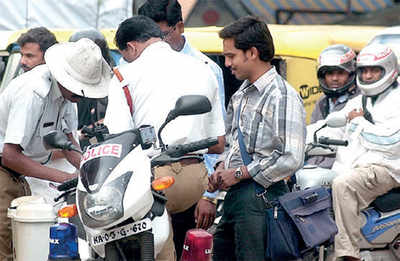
(272, 120)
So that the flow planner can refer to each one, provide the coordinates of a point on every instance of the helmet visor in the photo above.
(370, 74)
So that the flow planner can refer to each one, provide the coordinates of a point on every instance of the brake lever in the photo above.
(324, 146)
(312, 146)
(66, 193)
(316, 145)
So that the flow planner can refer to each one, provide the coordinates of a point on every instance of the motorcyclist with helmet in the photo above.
(368, 166)
(337, 79)
(92, 110)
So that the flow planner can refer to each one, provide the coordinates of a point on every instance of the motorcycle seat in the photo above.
(387, 202)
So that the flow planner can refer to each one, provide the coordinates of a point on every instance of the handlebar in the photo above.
(98, 131)
(69, 184)
(328, 141)
(172, 154)
(180, 150)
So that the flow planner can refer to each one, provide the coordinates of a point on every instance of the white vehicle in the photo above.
(120, 204)
(380, 221)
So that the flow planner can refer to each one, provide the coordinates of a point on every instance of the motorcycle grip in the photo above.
(328, 141)
(72, 183)
(180, 150)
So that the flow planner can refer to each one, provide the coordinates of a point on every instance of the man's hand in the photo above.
(204, 214)
(72, 156)
(219, 147)
(57, 154)
(214, 182)
(355, 113)
(225, 178)
(14, 159)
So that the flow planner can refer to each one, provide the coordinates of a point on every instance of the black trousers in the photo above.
(241, 232)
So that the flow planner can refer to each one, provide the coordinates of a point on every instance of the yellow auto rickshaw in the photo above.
(297, 48)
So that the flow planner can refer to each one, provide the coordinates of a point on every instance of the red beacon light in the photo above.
(198, 246)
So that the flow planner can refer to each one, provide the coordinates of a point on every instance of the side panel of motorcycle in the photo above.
(379, 228)
(138, 198)
(311, 176)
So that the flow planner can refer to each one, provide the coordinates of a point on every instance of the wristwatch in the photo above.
(238, 173)
(211, 200)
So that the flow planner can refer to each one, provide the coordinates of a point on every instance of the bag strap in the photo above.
(367, 114)
(247, 159)
(125, 88)
(324, 107)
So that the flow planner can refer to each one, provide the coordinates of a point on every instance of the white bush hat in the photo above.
(80, 68)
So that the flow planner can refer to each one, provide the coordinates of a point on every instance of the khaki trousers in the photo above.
(168, 252)
(353, 192)
(190, 183)
(11, 187)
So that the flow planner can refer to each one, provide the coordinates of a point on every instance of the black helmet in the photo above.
(92, 34)
(336, 57)
(96, 37)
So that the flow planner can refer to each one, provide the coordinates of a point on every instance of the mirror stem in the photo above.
(161, 143)
(315, 133)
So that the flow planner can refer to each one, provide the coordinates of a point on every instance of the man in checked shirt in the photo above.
(271, 118)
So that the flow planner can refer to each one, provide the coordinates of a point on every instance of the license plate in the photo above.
(121, 232)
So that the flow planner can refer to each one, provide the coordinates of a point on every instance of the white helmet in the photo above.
(336, 57)
(383, 57)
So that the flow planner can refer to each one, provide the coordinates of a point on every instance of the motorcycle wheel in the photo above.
(146, 240)
(112, 252)
(135, 248)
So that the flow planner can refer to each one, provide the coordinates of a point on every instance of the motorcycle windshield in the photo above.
(99, 160)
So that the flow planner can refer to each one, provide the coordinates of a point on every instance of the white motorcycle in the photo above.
(120, 203)
(380, 222)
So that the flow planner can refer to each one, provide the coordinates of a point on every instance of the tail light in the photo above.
(198, 246)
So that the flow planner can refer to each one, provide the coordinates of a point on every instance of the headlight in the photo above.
(105, 205)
